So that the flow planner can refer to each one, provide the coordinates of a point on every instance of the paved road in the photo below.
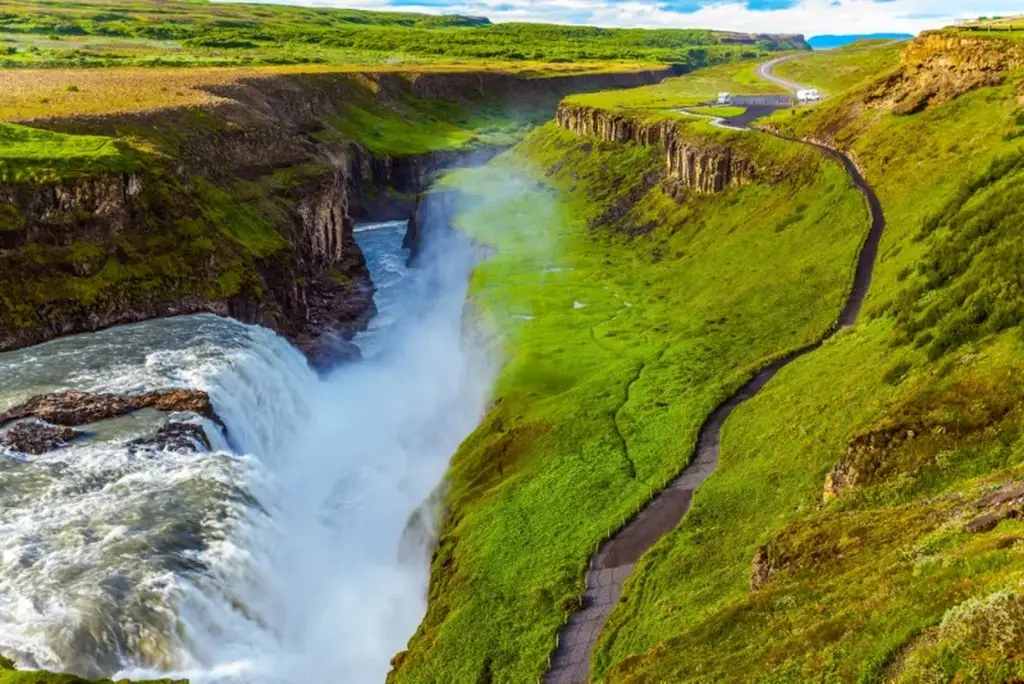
(765, 71)
(615, 559)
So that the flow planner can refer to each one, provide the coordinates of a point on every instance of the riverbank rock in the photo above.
(175, 436)
(72, 408)
(37, 437)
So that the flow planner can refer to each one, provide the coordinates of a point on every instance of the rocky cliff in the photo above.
(697, 164)
(245, 208)
(939, 66)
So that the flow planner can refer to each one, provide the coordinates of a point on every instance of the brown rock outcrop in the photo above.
(939, 66)
(699, 165)
(72, 407)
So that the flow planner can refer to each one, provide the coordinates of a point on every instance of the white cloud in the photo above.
(810, 17)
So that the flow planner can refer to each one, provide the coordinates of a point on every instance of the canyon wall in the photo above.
(697, 164)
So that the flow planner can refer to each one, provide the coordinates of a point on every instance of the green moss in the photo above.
(11, 219)
(240, 222)
(34, 155)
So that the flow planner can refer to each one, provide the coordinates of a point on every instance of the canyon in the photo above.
(292, 265)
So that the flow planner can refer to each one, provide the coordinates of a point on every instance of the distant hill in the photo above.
(830, 42)
(179, 33)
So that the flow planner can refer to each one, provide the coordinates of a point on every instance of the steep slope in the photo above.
(862, 524)
(645, 266)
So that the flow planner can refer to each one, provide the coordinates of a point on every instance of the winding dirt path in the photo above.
(614, 561)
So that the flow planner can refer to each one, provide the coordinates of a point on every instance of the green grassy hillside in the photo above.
(862, 525)
(627, 315)
(200, 33)
(835, 71)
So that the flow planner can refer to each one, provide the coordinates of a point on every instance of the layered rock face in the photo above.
(696, 165)
(74, 251)
(939, 66)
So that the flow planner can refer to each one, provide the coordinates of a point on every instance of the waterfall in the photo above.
(275, 558)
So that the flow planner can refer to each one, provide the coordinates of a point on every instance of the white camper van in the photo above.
(724, 98)
(808, 95)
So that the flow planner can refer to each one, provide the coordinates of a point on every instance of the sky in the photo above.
(810, 17)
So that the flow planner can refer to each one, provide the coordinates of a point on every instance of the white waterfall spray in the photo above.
(296, 573)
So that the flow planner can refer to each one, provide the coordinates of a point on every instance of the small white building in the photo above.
(808, 95)
(724, 98)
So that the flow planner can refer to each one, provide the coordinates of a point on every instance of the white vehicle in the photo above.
(724, 98)
(808, 95)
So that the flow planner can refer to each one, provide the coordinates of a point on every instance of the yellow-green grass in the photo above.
(626, 317)
(883, 583)
(698, 87)
(27, 94)
(720, 112)
(834, 71)
(32, 155)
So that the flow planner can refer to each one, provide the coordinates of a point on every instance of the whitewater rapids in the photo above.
(276, 558)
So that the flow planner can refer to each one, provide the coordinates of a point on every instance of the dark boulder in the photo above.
(175, 436)
(37, 437)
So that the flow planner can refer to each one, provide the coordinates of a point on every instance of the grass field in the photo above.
(620, 338)
(915, 416)
(198, 33)
(834, 71)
